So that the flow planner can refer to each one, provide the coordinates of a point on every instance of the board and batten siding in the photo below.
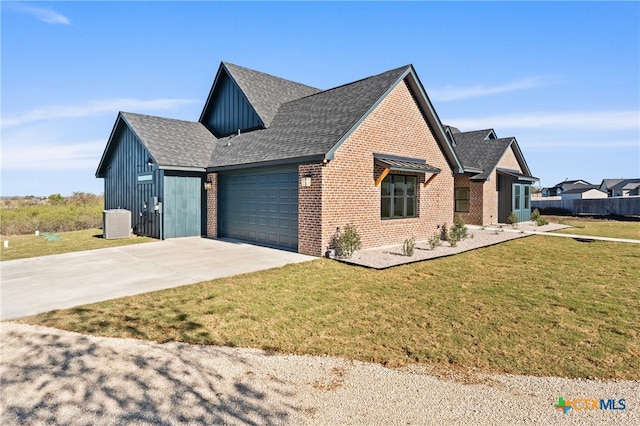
(229, 110)
(130, 183)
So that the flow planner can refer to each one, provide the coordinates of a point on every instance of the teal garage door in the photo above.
(182, 206)
(260, 205)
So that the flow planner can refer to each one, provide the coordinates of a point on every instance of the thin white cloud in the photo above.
(453, 93)
(48, 156)
(46, 15)
(594, 120)
(91, 109)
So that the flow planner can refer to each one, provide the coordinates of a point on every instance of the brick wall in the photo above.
(347, 183)
(310, 211)
(475, 216)
(212, 206)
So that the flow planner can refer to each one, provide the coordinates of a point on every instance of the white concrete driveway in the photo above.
(41, 284)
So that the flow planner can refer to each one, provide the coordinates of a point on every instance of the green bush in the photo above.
(459, 229)
(408, 246)
(535, 214)
(512, 219)
(541, 221)
(435, 240)
(349, 241)
(453, 238)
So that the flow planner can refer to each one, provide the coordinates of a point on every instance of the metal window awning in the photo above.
(401, 164)
(516, 174)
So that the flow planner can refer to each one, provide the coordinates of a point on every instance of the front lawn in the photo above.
(22, 246)
(598, 227)
(537, 305)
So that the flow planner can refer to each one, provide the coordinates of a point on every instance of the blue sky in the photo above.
(563, 78)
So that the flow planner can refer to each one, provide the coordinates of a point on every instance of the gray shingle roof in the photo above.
(309, 126)
(477, 152)
(472, 137)
(266, 92)
(626, 184)
(172, 142)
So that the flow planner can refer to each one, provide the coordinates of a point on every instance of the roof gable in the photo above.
(251, 97)
(481, 150)
(316, 125)
(171, 143)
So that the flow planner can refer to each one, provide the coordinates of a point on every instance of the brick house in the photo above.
(280, 163)
(496, 179)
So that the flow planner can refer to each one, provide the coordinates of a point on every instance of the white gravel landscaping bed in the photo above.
(56, 377)
(385, 257)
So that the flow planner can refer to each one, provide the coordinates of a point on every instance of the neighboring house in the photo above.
(496, 179)
(280, 163)
(607, 184)
(625, 188)
(567, 185)
(583, 194)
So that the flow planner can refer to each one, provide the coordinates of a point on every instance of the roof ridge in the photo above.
(226, 64)
(158, 116)
(360, 80)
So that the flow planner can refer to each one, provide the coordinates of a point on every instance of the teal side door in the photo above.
(521, 201)
(182, 206)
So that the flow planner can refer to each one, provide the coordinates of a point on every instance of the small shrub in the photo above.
(408, 246)
(444, 232)
(512, 219)
(435, 240)
(453, 238)
(349, 241)
(535, 214)
(459, 229)
(541, 221)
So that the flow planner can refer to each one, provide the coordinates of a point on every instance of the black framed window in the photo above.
(462, 195)
(398, 197)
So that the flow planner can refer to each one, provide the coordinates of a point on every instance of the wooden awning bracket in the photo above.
(432, 177)
(383, 175)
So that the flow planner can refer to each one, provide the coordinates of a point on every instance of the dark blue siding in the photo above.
(229, 110)
(124, 190)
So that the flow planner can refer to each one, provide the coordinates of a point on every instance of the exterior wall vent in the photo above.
(116, 224)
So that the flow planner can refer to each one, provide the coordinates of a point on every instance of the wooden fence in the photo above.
(614, 206)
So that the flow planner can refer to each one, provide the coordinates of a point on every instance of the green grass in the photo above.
(538, 306)
(598, 227)
(23, 219)
(22, 246)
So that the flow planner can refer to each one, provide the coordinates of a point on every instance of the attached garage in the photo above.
(260, 205)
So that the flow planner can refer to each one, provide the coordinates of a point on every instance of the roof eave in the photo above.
(315, 158)
(426, 106)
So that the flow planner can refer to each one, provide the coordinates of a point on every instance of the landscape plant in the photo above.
(408, 246)
(459, 229)
(349, 241)
(435, 240)
(535, 214)
(512, 219)
(453, 238)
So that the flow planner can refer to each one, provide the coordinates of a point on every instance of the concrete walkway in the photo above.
(40, 284)
(554, 234)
